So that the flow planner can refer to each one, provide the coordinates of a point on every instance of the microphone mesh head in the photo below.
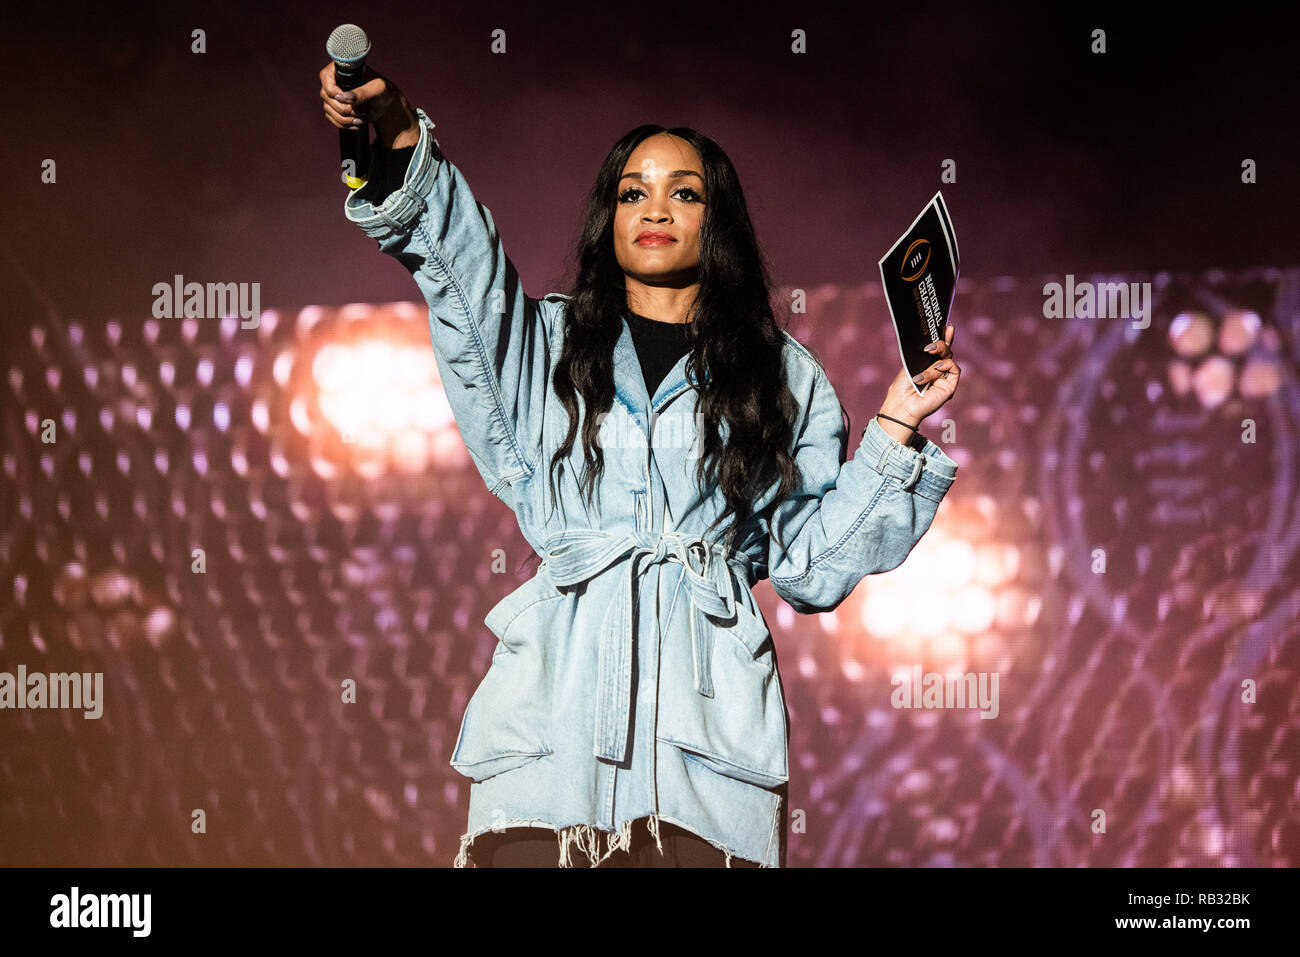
(347, 44)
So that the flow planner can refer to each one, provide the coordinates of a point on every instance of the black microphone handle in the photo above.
(354, 145)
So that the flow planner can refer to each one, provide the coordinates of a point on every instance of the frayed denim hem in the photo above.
(585, 836)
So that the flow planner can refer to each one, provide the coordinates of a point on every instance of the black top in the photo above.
(658, 344)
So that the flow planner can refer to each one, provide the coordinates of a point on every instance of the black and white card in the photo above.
(920, 279)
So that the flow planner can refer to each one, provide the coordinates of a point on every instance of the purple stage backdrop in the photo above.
(231, 523)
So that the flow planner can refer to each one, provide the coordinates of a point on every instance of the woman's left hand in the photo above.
(902, 401)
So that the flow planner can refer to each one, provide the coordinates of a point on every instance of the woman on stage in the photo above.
(664, 445)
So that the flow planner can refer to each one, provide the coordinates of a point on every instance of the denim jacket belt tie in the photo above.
(575, 555)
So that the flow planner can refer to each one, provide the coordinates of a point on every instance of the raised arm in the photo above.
(850, 518)
(493, 343)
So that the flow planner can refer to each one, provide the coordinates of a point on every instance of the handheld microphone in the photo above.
(348, 48)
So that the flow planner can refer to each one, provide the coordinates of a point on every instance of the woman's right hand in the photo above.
(378, 101)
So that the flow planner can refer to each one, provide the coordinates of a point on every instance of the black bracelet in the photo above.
(900, 422)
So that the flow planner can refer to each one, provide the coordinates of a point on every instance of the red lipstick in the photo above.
(652, 238)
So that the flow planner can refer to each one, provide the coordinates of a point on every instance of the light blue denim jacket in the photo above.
(598, 711)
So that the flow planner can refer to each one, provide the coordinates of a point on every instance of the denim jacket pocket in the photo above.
(507, 720)
(739, 732)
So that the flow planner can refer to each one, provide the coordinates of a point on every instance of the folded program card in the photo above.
(920, 278)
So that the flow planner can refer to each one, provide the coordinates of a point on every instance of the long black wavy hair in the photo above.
(733, 333)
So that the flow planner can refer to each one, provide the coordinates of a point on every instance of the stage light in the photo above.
(1213, 381)
(996, 564)
(883, 614)
(328, 368)
(1191, 333)
(972, 610)
(1180, 377)
(1215, 378)
(383, 399)
(1238, 331)
(941, 604)
(957, 559)
(1261, 377)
